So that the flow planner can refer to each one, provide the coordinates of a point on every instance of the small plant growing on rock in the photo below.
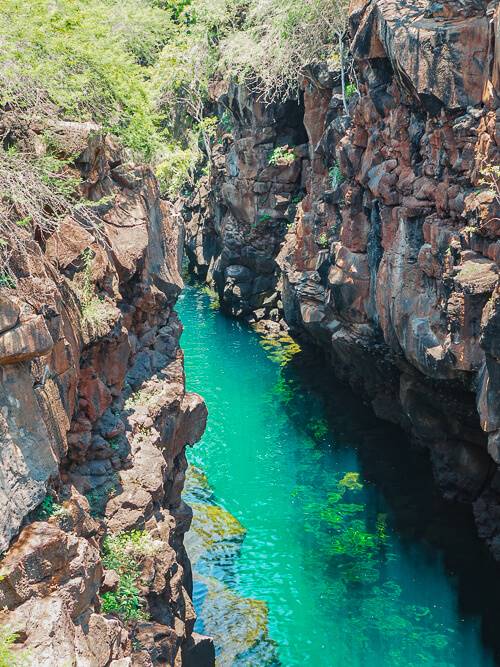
(124, 554)
(6, 280)
(125, 602)
(490, 177)
(226, 121)
(9, 657)
(94, 309)
(24, 222)
(140, 397)
(281, 156)
(469, 229)
(323, 240)
(99, 497)
(114, 443)
(48, 508)
(350, 90)
(336, 176)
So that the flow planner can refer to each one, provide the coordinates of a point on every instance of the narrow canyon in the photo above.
(250, 400)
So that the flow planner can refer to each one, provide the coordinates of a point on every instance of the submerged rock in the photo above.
(238, 625)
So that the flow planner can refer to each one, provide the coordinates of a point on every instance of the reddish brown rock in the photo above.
(76, 434)
(26, 341)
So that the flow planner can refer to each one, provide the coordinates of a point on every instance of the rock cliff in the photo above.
(94, 421)
(390, 260)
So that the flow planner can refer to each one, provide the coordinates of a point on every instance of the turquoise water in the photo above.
(358, 560)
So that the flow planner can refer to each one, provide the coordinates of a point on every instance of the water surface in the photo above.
(358, 560)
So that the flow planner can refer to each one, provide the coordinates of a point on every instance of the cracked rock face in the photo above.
(233, 238)
(391, 264)
(94, 419)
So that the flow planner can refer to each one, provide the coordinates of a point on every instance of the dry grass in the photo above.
(35, 196)
(281, 39)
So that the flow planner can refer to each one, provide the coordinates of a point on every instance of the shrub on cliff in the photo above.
(87, 57)
(280, 39)
(37, 192)
(124, 553)
(77, 60)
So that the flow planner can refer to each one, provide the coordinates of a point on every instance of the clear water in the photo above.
(359, 561)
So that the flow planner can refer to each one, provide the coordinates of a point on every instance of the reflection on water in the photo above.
(319, 538)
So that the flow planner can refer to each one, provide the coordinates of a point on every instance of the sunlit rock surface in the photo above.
(94, 420)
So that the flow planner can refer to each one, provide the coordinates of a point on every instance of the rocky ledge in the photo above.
(390, 260)
(94, 421)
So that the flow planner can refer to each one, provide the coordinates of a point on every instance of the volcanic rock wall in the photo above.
(391, 264)
(94, 420)
(233, 236)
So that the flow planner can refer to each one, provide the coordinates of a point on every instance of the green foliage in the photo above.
(125, 602)
(265, 217)
(99, 497)
(281, 156)
(7, 280)
(9, 657)
(114, 443)
(24, 222)
(142, 68)
(490, 178)
(177, 167)
(124, 553)
(336, 176)
(89, 58)
(323, 240)
(37, 193)
(213, 296)
(226, 121)
(48, 507)
(350, 90)
(54, 173)
(95, 310)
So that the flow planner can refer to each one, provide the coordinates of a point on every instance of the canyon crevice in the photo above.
(362, 217)
(375, 232)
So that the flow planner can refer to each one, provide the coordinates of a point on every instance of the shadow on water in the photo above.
(402, 474)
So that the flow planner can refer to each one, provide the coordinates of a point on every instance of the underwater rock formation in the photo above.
(238, 625)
